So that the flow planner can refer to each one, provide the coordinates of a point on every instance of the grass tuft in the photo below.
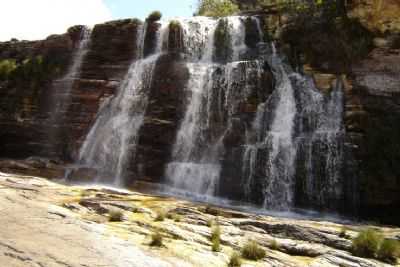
(389, 251)
(156, 239)
(216, 238)
(366, 244)
(274, 245)
(235, 260)
(160, 216)
(253, 251)
(116, 216)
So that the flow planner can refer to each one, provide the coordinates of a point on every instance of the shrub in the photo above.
(156, 239)
(235, 260)
(366, 244)
(253, 251)
(154, 16)
(216, 8)
(160, 216)
(7, 66)
(216, 238)
(116, 216)
(174, 24)
(389, 251)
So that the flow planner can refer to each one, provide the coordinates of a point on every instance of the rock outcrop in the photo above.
(372, 101)
(73, 226)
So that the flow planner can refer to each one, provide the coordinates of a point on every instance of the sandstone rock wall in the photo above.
(25, 110)
(372, 110)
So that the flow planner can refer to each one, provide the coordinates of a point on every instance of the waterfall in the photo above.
(244, 106)
(237, 33)
(194, 165)
(279, 188)
(67, 81)
(274, 148)
(295, 146)
(112, 140)
(64, 86)
(321, 139)
(214, 100)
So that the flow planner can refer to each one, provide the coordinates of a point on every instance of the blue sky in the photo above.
(41, 18)
(141, 8)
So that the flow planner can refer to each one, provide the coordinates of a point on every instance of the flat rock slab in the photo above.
(45, 224)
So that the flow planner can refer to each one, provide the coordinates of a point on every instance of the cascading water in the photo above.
(111, 142)
(66, 82)
(320, 139)
(298, 150)
(199, 145)
(289, 136)
(274, 147)
(195, 167)
(63, 86)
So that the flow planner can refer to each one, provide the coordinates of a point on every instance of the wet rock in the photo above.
(372, 121)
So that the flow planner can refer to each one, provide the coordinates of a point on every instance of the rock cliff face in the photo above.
(371, 115)
(26, 104)
(373, 119)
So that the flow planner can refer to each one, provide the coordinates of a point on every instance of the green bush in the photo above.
(366, 244)
(116, 216)
(174, 24)
(253, 251)
(156, 239)
(7, 66)
(388, 251)
(154, 16)
(216, 238)
(235, 260)
(216, 8)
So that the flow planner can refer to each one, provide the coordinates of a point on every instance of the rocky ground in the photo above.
(49, 224)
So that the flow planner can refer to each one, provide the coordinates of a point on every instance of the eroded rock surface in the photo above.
(50, 224)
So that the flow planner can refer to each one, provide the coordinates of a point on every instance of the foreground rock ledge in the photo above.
(48, 224)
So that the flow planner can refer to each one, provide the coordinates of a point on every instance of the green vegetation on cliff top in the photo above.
(216, 8)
